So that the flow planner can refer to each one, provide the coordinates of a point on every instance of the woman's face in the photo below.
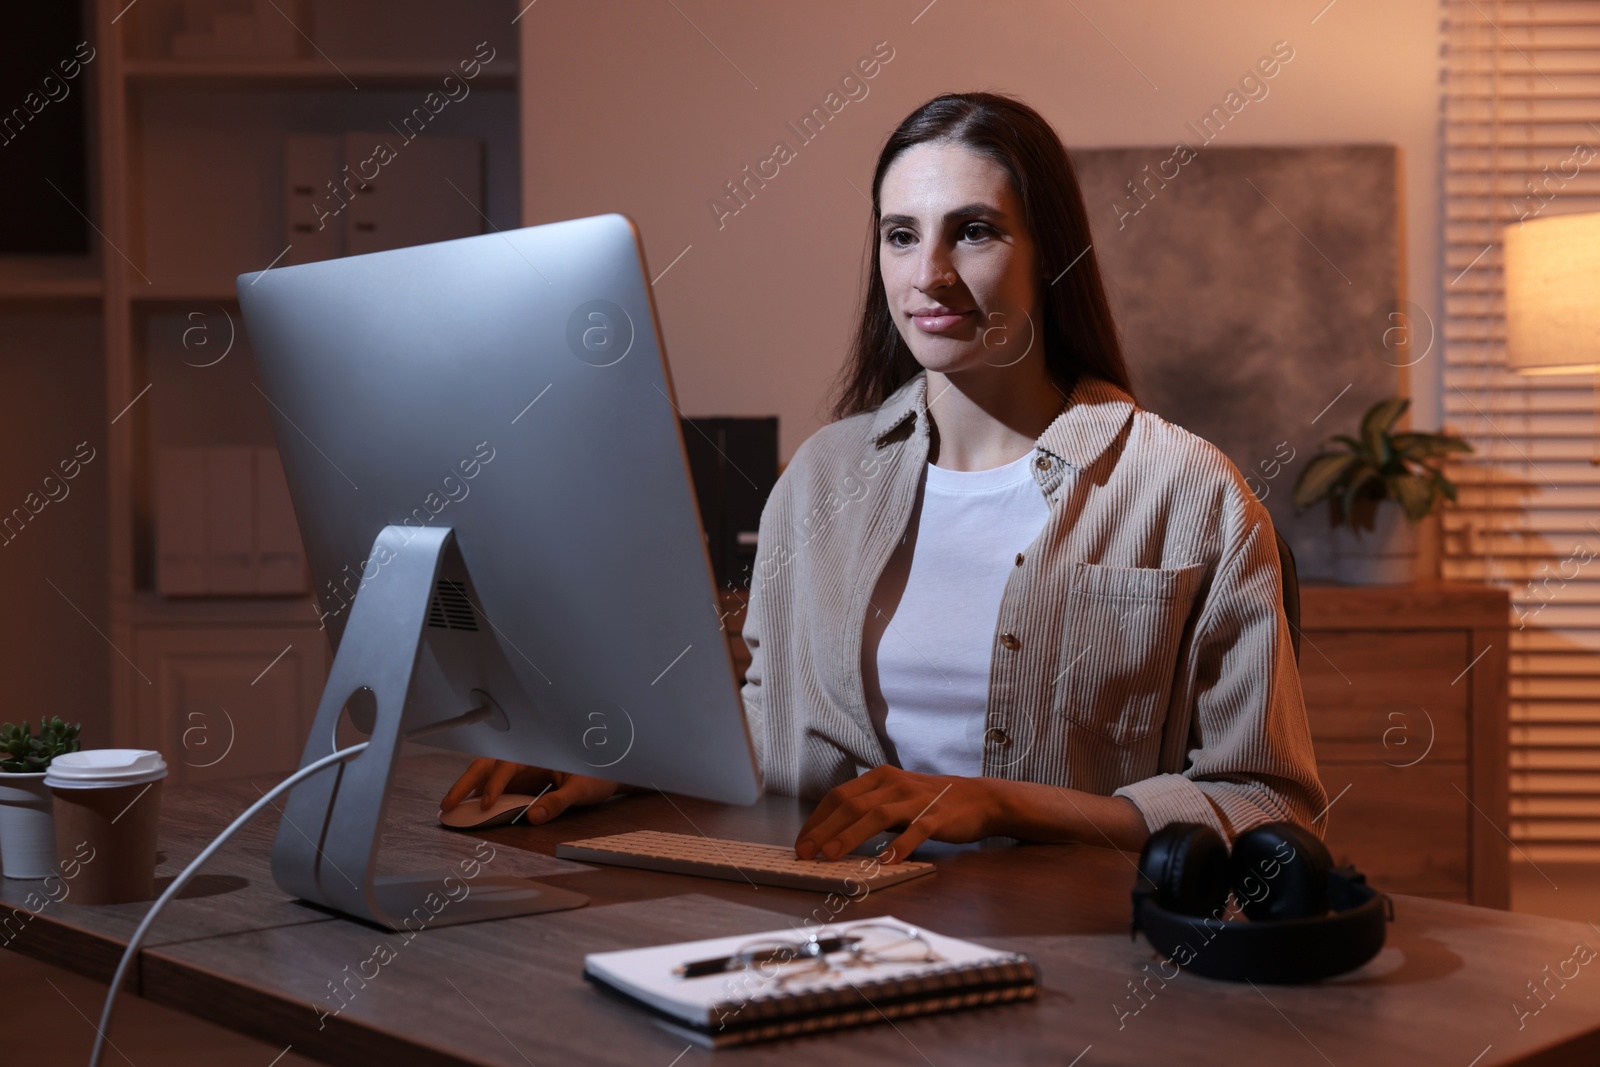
(957, 259)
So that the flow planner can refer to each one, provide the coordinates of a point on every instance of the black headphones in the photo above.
(1308, 919)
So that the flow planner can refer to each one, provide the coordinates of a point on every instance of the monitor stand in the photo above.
(327, 843)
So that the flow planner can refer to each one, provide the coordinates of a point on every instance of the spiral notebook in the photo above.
(745, 1004)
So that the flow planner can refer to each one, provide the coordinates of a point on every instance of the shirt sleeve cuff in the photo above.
(1169, 798)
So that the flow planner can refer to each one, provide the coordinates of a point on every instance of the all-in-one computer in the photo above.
(486, 461)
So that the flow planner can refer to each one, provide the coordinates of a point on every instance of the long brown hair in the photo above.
(1080, 336)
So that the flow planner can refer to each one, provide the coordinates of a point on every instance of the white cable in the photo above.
(183, 879)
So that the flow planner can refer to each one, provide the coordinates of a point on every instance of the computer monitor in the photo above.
(485, 456)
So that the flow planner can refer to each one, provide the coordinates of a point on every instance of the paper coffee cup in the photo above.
(106, 809)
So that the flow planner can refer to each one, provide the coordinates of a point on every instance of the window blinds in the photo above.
(1522, 140)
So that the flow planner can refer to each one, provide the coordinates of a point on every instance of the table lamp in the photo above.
(1552, 287)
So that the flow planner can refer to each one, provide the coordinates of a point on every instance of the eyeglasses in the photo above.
(863, 944)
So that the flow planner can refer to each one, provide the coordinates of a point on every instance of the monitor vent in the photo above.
(450, 609)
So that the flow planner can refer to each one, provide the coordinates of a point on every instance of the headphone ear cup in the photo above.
(1280, 871)
(1186, 866)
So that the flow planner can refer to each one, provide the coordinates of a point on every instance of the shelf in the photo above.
(50, 278)
(184, 293)
(212, 200)
(149, 608)
(307, 74)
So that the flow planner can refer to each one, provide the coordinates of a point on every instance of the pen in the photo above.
(816, 947)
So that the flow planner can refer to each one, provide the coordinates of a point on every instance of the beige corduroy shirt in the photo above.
(1140, 648)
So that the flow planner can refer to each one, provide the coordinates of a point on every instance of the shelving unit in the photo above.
(49, 278)
(297, 73)
(187, 193)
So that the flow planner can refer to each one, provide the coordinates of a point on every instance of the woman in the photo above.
(1065, 611)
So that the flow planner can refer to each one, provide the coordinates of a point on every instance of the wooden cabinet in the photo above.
(1406, 692)
(1405, 688)
(226, 693)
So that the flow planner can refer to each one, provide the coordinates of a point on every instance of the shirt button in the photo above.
(1043, 463)
(1010, 641)
(1019, 559)
(996, 736)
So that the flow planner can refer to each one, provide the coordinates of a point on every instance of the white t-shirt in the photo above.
(931, 621)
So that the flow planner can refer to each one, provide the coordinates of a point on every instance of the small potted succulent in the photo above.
(1374, 544)
(27, 830)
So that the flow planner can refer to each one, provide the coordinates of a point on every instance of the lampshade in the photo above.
(1552, 279)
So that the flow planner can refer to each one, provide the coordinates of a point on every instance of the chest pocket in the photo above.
(1120, 646)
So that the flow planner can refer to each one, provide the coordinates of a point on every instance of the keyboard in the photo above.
(746, 861)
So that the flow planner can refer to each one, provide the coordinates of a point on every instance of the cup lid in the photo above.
(99, 767)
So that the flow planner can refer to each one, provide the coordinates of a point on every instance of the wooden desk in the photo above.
(1405, 689)
(238, 952)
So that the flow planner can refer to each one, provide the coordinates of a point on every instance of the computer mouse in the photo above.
(469, 815)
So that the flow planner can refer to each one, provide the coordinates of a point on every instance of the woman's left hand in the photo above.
(922, 806)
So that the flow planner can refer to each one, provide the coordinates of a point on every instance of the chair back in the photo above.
(1291, 592)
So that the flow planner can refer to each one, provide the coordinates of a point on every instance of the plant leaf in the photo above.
(1320, 478)
(1428, 445)
(1445, 443)
(1414, 493)
(1376, 423)
(1362, 477)
(1383, 415)
(1412, 446)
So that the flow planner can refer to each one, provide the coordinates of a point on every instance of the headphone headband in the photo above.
(1278, 951)
(1311, 920)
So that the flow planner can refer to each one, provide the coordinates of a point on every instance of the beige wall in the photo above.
(630, 107)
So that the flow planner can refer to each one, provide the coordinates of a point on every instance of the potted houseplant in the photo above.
(1377, 487)
(27, 831)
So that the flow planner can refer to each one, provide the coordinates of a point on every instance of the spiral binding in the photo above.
(944, 988)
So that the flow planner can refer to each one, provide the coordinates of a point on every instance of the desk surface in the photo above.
(236, 950)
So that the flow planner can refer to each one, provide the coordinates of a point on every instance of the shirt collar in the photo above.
(1095, 412)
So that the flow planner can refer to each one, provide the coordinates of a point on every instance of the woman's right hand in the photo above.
(557, 790)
